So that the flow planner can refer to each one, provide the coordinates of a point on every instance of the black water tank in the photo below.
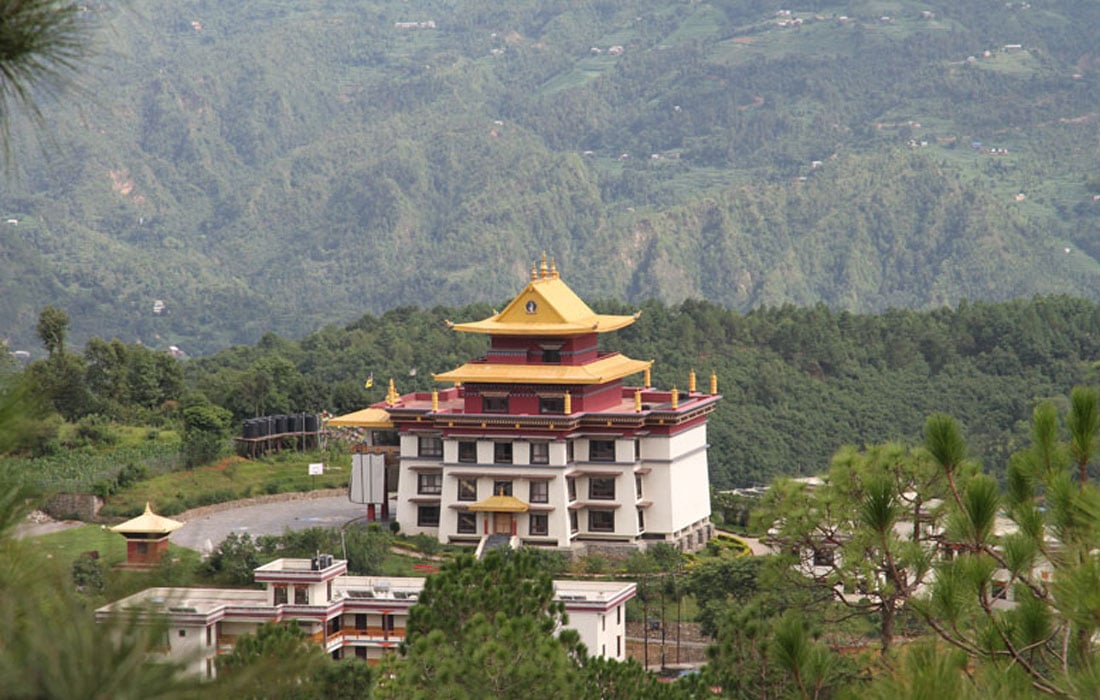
(295, 423)
(280, 424)
(311, 422)
(261, 427)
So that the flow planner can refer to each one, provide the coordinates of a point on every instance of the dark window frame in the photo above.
(503, 487)
(543, 456)
(552, 405)
(467, 523)
(499, 450)
(601, 488)
(543, 495)
(468, 495)
(469, 447)
(494, 404)
(424, 516)
(601, 450)
(429, 483)
(601, 520)
(429, 446)
(538, 524)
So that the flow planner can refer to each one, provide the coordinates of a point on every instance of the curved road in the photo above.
(206, 532)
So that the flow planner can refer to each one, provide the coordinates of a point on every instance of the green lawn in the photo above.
(230, 479)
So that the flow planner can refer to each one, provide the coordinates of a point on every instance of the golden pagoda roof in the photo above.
(603, 370)
(148, 523)
(500, 504)
(363, 418)
(546, 307)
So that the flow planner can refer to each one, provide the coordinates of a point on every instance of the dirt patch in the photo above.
(197, 513)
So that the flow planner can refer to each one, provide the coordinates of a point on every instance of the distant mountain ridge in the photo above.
(278, 166)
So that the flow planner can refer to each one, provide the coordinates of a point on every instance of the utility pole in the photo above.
(645, 621)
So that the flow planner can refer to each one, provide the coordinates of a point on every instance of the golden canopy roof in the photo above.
(148, 523)
(500, 504)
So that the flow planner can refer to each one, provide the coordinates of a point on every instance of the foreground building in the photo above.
(349, 616)
(541, 442)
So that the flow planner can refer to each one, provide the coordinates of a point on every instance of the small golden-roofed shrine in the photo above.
(547, 307)
(146, 537)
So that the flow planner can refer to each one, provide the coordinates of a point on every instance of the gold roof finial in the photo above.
(391, 395)
(675, 397)
(553, 269)
(713, 383)
(544, 269)
(691, 381)
(637, 400)
(568, 408)
(435, 400)
(647, 378)
(534, 271)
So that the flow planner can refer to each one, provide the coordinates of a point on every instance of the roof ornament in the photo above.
(534, 271)
(713, 383)
(544, 270)
(675, 398)
(553, 269)
(391, 395)
(691, 381)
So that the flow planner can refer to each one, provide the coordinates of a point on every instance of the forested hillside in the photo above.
(281, 165)
(798, 383)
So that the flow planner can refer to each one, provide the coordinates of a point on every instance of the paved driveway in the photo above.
(206, 532)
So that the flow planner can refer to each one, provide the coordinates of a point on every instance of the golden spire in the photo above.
(568, 403)
(553, 269)
(435, 400)
(637, 400)
(534, 271)
(544, 270)
(713, 383)
(675, 397)
(391, 395)
(691, 381)
(647, 380)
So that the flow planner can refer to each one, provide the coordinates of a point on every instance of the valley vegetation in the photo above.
(284, 167)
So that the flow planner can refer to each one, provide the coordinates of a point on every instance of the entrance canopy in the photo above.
(363, 418)
(500, 504)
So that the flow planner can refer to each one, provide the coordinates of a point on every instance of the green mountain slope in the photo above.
(281, 165)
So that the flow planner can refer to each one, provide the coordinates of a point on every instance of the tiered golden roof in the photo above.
(547, 307)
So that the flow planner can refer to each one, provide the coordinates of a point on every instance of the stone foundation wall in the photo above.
(74, 506)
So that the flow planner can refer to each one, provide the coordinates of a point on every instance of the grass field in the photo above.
(230, 479)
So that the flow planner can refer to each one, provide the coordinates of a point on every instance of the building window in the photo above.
(641, 519)
(601, 488)
(387, 623)
(494, 404)
(540, 492)
(361, 653)
(538, 524)
(569, 451)
(573, 521)
(142, 549)
(552, 404)
(467, 523)
(540, 453)
(551, 356)
(429, 484)
(467, 489)
(502, 488)
(280, 595)
(601, 450)
(638, 485)
(637, 450)
(301, 595)
(430, 447)
(467, 451)
(427, 516)
(572, 484)
(601, 521)
(183, 633)
(502, 452)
